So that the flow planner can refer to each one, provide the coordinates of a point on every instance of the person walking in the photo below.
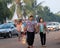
(20, 28)
(42, 30)
(30, 26)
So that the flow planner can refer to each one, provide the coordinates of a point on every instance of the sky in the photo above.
(54, 5)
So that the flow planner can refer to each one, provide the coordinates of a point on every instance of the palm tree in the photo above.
(30, 7)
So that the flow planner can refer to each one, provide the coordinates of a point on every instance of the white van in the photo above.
(59, 26)
(53, 26)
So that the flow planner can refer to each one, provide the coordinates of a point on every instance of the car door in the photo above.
(14, 31)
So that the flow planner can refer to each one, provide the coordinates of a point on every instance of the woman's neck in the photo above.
(41, 22)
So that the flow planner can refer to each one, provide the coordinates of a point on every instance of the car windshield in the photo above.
(6, 26)
(52, 23)
(49, 23)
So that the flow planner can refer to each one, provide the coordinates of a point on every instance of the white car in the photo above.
(59, 26)
(53, 26)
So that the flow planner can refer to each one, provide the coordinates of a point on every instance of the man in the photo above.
(30, 26)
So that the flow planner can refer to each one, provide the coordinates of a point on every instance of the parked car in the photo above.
(8, 30)
(59, 26)
(53, 26)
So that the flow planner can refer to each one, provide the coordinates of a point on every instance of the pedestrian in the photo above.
(30, 26)
(42, 30)
(20, 29)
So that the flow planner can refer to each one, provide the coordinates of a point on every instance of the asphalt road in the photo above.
(53, 41)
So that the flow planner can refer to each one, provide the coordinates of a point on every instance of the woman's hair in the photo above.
(40, 19)
(19, 21)
(31, 16)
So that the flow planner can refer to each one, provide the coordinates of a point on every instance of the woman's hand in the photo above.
(36, 28)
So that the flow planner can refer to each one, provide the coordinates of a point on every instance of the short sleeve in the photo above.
(44, 23)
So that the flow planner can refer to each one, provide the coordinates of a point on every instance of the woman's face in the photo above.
(31, 18)
(41, 20)
(19, 22)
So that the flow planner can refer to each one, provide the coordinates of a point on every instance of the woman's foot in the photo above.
(32, 46)
(44, 45)
(29, 46)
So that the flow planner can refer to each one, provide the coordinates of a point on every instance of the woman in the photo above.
(30, 26)
(42, 30)
(20, 28)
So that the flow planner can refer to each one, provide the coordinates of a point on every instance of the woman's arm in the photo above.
(37, 27)
(45, 28)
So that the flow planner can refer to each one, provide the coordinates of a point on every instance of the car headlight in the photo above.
(51, 28)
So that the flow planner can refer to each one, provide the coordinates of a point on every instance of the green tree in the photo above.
(31, 7)
(4, 11)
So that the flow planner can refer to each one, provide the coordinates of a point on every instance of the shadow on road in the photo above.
(58, 43)
(1, 38)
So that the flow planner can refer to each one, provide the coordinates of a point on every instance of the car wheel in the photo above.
(17, 35)
(9, 35)
(4, 36)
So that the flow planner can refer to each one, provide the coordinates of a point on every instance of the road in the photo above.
(53, 41)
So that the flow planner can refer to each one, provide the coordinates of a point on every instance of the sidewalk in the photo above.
(53, 41)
